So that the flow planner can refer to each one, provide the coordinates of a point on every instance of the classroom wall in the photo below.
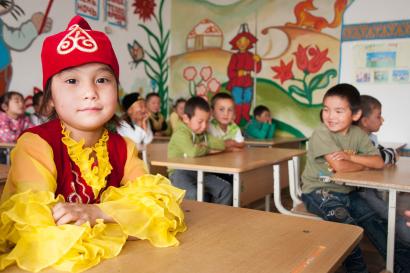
(27, 64)
(392, 85)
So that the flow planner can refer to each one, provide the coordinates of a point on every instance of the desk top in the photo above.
(273, 141)
(391, 177)
(4, 171)
(219, 240)
(225, 162)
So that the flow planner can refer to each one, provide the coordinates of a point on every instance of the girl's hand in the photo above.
(340, 156)
(78, 214)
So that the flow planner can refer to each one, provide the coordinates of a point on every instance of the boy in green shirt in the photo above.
(191, 140)
(261, 125)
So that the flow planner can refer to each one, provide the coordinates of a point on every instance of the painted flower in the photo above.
(318, 58)
(302, 58)
(136, 51)
(201, 89)
(214, 85)
(283, 71)
(205, 73)
(189, 73)
(144, 9)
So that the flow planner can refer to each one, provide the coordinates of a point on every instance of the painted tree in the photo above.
(155, 59)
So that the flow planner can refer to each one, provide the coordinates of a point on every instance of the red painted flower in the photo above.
(144, 9)
(214, 85)
(318, 58)
(205, 73)
(189, 73)
(283, 71)
(301, 57)
(201, 89)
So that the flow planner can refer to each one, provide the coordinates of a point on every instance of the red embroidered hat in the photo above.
(75, 46)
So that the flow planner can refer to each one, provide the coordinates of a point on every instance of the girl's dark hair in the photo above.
(178, 101)
(259, 110)
(220, 96)
(196, 103)
(5, 99)
(111, 125)
(368, 104)
(348, 92)
(37, 97)
(150, 95)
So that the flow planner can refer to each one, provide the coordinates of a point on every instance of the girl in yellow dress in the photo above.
(76, 192)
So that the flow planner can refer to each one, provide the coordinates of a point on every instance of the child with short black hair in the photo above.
(157, 121)
(222, 124)
(370, 122)
(339, 146)
(261, 125)
(75, 191)
(192, 140)
(13, 120)
(38, 117)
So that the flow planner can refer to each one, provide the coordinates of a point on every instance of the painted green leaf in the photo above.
(322, 80)
(297, 90)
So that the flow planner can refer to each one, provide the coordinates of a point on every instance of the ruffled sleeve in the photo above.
(33, 168)
(147, 208)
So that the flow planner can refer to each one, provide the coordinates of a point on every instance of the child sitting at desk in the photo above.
(75, 192)
(370, 122)
(157, 121)
(13, 120)
(134, 124)
(339, 146)
(261, 125)
(192, 140)
(175, 118)
(222, 124)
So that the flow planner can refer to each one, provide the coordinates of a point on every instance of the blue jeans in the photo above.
(216, 189)
(242, 95)
(351, 209)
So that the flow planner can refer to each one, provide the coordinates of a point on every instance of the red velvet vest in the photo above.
(70, 183)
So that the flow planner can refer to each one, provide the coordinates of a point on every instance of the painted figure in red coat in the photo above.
(240, 69)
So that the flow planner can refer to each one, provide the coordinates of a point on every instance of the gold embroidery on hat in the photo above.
(77, 38)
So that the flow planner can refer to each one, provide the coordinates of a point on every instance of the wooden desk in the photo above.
(8, 147)
(392, 179)
(283, 142)
(218, 239)
(251, 169)
(159, 139)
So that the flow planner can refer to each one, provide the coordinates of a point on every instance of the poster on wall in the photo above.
(116, 12)
(88, 8)
(382, 62)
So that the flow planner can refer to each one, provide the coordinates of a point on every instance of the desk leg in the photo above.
(276, 190)
(293, 181)
(200, 186)
(8, 150)
(236, 190)
(391, 230)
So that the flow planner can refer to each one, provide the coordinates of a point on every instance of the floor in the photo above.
(374, 261)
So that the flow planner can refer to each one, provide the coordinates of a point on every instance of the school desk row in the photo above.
(226, 239)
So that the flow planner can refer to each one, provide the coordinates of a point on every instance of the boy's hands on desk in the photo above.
(78, 214)
(340, 155)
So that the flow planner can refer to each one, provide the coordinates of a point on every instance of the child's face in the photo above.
(373, 122)
(336, 114)
(137, 111)
(243, 44)
(199, 122)
(265, 117)
(85, 97)
(224, 111)
(179, 109)
(16, 106)
(154, 104)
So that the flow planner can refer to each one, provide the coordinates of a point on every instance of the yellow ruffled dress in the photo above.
(145, 206)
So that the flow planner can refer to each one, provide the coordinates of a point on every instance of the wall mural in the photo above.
(155, 56)
(292, 51)
(18, 39)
